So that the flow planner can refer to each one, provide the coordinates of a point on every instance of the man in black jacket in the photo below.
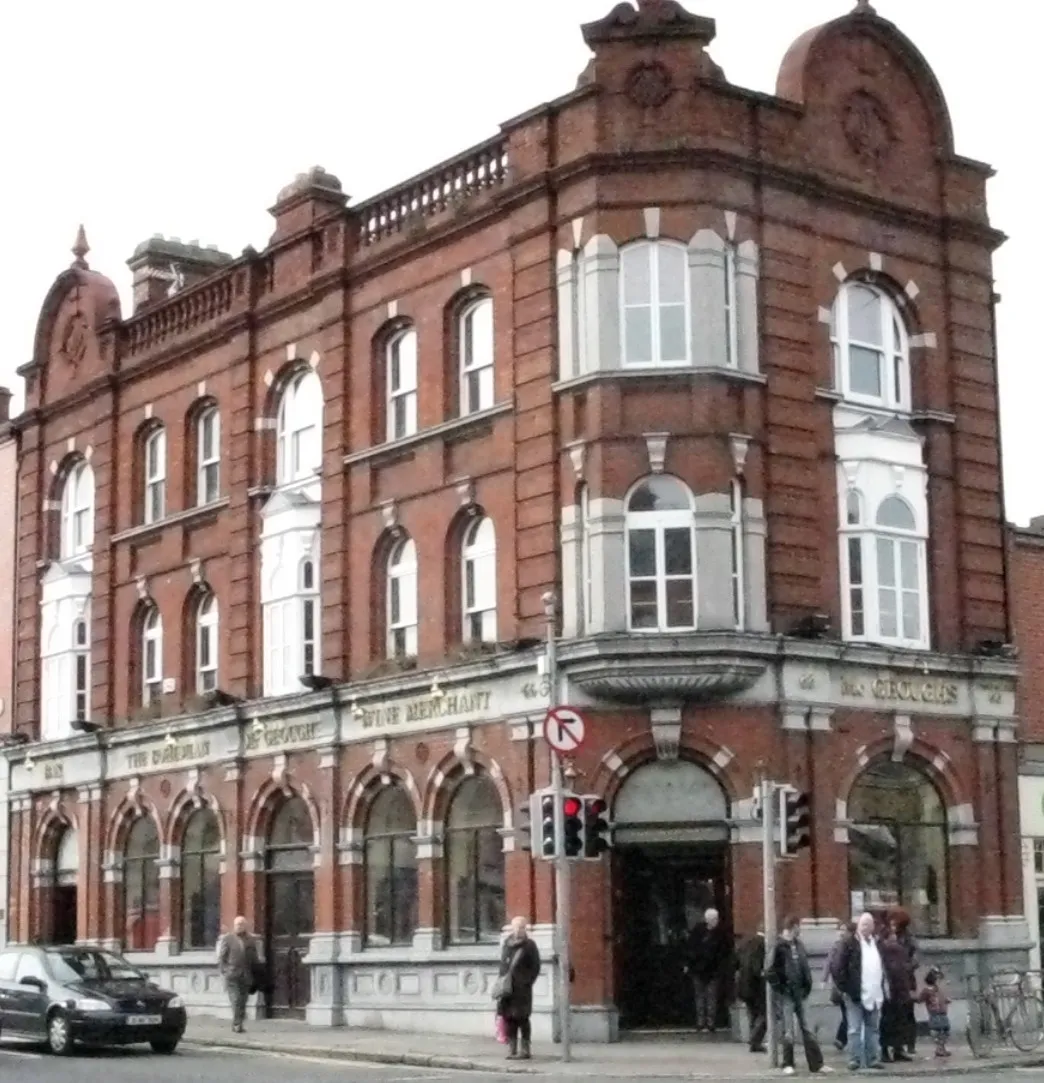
(791, 979)
(861, 978)
(709, 952)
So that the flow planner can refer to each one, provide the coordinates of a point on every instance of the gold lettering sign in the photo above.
(165, 754)
(931, 690)
(446, 706)
(277, 736)
(54, 772)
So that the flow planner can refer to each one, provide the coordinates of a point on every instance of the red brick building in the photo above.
(8, 519)
(715, 367)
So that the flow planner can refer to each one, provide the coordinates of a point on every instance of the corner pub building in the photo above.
(715, 367)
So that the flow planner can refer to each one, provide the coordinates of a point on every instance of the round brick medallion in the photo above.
(867, 127)
(649, 85)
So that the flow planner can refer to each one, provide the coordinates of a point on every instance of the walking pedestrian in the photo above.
(862, 982)
(898, 998)
(709, 951)
(791, 981)
(750, 988)
(239, 963)
(845, 931)
(513, 989)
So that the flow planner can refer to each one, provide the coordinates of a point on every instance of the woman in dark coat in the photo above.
(519, 970)
(898, 998)
(901, 924)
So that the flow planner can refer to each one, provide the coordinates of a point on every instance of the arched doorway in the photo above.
(670, 864)
(290, 906)
(63, 890)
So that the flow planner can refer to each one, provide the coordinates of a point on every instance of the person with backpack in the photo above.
(791, 979)
(750, 988)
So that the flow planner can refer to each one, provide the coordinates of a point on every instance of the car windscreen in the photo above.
(73, 965)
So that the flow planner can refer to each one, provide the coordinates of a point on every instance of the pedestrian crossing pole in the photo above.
(562, 879)
(768, 874)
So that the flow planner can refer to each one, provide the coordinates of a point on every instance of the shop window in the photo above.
(898, 853)
(474, 864)
(201, 880)
(141, 917)
(390, 869)
(661, 556)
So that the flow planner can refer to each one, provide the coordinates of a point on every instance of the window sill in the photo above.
(445, 428)
(179, 517)
(889, 644)
(660, 372)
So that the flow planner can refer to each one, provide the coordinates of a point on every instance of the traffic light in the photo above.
(548, 841)
(596, 827)
(795, 821)
(524, 827)
(572, 825)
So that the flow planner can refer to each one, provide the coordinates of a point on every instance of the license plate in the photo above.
(144, 1020)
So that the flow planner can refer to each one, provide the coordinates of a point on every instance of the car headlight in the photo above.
(89, 1004)
(175, 1002)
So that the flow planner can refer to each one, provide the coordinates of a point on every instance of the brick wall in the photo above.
(8, 519)
(1027, 600)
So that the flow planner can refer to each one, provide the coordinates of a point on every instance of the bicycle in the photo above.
(1009, 1011)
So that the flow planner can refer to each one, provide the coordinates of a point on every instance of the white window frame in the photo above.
(732, 314)
(584, 503)
(207, 644)
(401, 600)
(476, 358)
(893, 351)
(660, 522)
(655, 304)
(77, 511)
(400, 374)
(860, 534)
(299, 429)
(739, 585)
(208, 463)
(155, 472)
(82, 669)
(151, 644)
(311, 634)
(479, 582)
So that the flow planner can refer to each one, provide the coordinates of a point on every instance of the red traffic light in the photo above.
(571, 806)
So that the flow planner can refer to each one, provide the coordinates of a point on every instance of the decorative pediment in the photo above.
(651, 20)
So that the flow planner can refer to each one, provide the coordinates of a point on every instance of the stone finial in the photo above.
(80, 248)
(864, 7)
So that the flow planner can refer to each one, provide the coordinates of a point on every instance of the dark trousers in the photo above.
(518, 1028)
(758, 1019)
(841, 1038)
(896, 1036)
(792, 1024)
(706, 993)
(238, 992)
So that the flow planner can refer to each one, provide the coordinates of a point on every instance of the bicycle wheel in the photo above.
(982, 1027)
(1027, 1022)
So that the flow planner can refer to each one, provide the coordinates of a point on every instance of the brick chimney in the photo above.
(163, 266)
(5, 404)
(307, 199)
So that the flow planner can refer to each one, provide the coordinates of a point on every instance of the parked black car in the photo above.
(68, 995)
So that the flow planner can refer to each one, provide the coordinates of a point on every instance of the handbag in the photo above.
(502, 986)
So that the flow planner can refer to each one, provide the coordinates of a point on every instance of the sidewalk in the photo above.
(640, 1058)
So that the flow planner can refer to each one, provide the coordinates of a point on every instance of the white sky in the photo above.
(187, 118)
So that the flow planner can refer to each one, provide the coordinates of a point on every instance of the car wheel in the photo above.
(59, 1038)
(164, 1045)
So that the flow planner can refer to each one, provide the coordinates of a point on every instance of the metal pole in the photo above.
(562, 884)
(768, 877)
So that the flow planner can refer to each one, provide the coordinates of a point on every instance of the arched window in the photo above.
(479, 567)
(475, 338)
(141, 886)
(309, 592)
(661, 556)
(401, 381)
(77, 530)
(206, 644)
(208, 456)
(402, 600)
(654, 297)
(885, 570)
(871, 347)
(155, 494)
(474, 863)
(201, 880)
(390, 863)
(82, 670)
(151, 656)
(897, 851)
(299, 430)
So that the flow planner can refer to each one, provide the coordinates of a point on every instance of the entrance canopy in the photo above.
(670, 802)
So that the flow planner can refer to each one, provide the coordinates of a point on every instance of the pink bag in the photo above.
(500, 1029)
